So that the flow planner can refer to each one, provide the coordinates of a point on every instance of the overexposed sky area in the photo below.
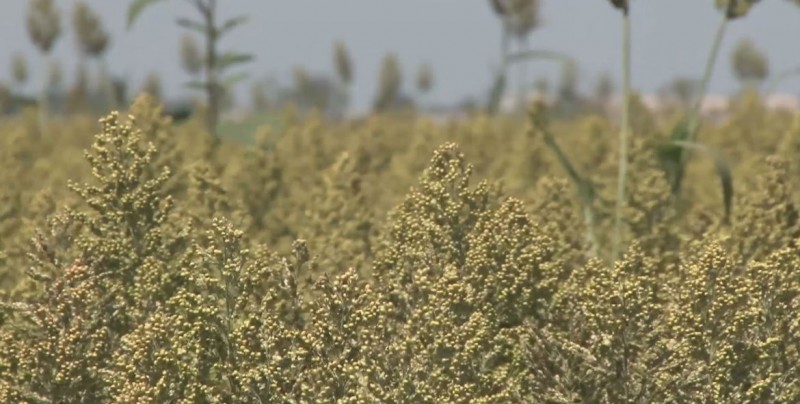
(458, 37)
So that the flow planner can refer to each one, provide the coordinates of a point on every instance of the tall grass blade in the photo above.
(191, 25)
(231, 24)
(135, 10)
(716, 47)
(625, 132)
(229, 59)
(539, 54)
(585, 189)
(234, 79)
(673, 157)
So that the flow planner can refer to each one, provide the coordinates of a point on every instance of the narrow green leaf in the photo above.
(135, 9)
(229, 59)
(539, 54)
(230, 81)
(673, 157)
(681, 131)
(585, 188)
(225, 83)
(723, 171)
(586, 191)
(191, 25)
(196, 85)
(232, 23)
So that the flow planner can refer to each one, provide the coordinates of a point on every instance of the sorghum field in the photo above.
(395, 258)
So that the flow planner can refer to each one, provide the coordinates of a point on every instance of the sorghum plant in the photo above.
(44, 27)
(19, 71)
(687, 131)
(390, 83)
(92, 267)
(93, 41)
(343, 64)
(424, 79)
(749, 64)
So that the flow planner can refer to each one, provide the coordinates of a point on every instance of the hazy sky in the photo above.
(458, 37)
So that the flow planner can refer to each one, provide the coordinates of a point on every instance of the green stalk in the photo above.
(584, 188)
(694, 118)
(693, 122)
(624, 134)
(212, 80)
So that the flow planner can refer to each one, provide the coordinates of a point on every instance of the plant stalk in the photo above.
(212, 79)
(694, 118)
(584, 188)
(624, 135)
(693, 122)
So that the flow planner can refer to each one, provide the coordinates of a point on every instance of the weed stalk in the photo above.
(624, 133)
(694, 118)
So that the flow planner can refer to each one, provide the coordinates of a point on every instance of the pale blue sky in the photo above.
(458, 37)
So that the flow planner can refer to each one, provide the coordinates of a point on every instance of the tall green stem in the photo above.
(693, 122)
(213, 90)
(624, 134)
(586, 192)
(694, 118)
